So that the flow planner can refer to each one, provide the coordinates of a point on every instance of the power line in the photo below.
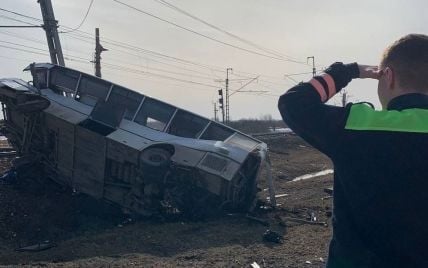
(11, 43)
(25, 50)
(270, 51)
(158, 75)
(13, 58)
(17, 20)
(127, 46)
(168, 71)
(147, 51)
(115, 67)
(197, 33)
(20, 14)
(84, 35)
(69, 57)
(137, 49)
(83, 20)
(38, 41)
(163, 70)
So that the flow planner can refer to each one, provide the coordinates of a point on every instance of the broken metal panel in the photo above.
(20, 96)
(131, 140)
(89, 162)
(69, 103)
(121, 152)
(69, 115)
(12, 87)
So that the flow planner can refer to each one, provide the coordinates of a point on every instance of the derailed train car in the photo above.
(116, 144)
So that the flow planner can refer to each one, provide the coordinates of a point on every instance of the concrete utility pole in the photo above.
(51, 28)
(98, 49)
(314, 71)
(227, 95)
(215, 111)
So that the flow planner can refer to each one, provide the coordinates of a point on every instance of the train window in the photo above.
(187, 125)
(127, 99)
(243, 141)
(154, 114)
(63, 80)
(93, 88)
(217, 132)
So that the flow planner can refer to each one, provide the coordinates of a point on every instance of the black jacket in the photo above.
(380, 162)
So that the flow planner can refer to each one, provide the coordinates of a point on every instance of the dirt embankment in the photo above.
(87, 232)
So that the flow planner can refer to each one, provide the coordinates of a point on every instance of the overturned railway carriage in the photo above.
(110, 142)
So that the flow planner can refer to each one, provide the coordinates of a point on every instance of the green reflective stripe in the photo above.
(363, 117)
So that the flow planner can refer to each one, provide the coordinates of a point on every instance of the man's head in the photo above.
(404, 68)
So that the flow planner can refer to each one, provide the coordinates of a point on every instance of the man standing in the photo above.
(380, 158)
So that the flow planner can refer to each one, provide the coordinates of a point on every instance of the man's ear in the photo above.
(390, 78)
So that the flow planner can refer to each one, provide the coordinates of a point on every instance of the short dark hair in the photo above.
(408, 57)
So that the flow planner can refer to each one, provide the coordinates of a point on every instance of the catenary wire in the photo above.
(243, 40)
(83, 20)
(198, 33)
(86, 61)
(20, 14)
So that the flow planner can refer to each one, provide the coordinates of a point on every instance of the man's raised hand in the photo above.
(368, 71)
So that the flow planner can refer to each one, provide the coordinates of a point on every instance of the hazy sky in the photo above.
(330, 30)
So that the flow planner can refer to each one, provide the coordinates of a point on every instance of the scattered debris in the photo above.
(272, 236)
(312, 216)
(255, 265)
(329, 190)
(277, 196)
(37, 247)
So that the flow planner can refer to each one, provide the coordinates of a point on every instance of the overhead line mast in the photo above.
(51, 29)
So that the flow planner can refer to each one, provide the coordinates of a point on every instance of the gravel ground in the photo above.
(90, 233)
